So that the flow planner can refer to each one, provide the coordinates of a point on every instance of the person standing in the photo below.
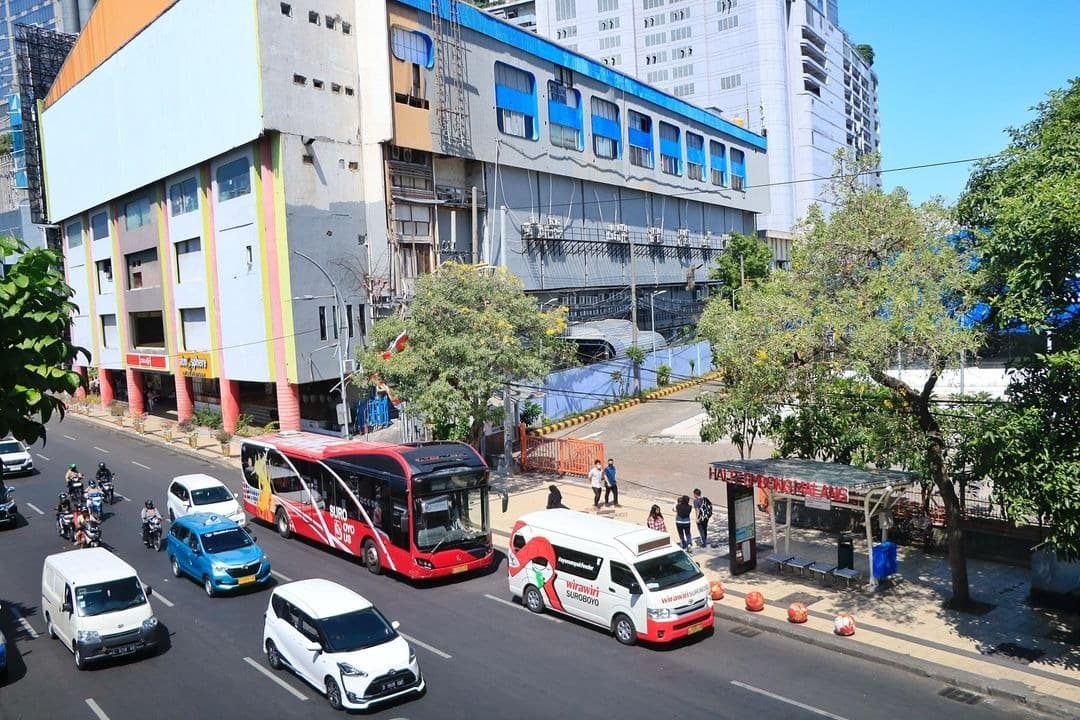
(683, 510)
(596, 480)
(611, 486)
(703, 513)
(655, 521)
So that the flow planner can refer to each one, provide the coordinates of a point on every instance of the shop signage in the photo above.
(195, 364)
(784, 486)
(147, 362)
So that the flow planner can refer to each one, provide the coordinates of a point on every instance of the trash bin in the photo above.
(845, 552)
(884, 560)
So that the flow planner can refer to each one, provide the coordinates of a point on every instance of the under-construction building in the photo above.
(353, 145)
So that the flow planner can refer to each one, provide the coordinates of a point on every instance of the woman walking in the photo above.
(683, 510)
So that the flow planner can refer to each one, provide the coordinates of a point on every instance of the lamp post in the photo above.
(342, 348)
(652, 315)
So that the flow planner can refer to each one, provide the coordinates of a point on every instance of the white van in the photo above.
(621, 576)
(95, 604)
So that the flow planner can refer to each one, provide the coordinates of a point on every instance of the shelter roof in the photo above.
(854, 479)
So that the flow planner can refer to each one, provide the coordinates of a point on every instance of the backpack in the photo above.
(706, 510)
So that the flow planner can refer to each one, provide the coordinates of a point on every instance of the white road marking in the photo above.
(43, 457)
(164, 600)
(97, 709)
(101, 450)
(23, 621)
(144, 467)
(35, 508)
(437, 651)
(281, 576)
(781, 698)
(598, 433)
(295, 693)
(504, 601)
(123, 498)
(70, 438)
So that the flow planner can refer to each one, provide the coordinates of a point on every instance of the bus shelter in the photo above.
(818, 484)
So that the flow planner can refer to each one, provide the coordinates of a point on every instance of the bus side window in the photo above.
(519, 542)
(249, 456)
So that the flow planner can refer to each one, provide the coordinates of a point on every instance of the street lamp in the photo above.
(652, 315)
(343, 410)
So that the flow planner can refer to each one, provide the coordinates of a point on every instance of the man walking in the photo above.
(596, 480)
(611, 486)
(703, 511)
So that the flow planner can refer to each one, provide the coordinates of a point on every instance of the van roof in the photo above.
(635, 538)
(197, 481)
(90, 565)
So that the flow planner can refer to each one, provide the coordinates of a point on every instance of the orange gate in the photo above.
(559, 455)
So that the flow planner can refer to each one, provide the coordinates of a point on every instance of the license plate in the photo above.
(393, 684)
(122, 650)
(460, 569)
(696, 627)
(246, 579)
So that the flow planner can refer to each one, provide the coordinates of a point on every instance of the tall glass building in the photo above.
(62, 15)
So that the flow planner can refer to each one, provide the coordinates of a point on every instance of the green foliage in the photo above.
(745, 257)
(5, 143)
(867, 52)
(530, 413)
(35, 311)
(470, 331)
(208, 418)
(663, 375)
(223, 436)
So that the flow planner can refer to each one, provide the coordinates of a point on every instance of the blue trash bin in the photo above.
(885, 563)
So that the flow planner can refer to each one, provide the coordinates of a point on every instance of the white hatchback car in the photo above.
(202, 494)
(340, 643)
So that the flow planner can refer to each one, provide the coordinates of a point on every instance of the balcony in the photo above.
(812, 51)
(814, 70)
(457, 196)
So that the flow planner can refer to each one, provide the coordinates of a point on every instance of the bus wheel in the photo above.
(282, 521)
(371, 557)
(623, 627)
(532, 599)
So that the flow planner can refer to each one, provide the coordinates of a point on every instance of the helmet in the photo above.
(72, 467)
(93, 484)
(62, 497)
(101, 465)
(149, 504)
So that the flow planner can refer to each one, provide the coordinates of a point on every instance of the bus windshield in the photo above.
(668, 570)
(450, 518)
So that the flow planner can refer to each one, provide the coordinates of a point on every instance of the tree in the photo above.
(470, 332)
(867, 52)
(876, 275)
(34, 314)
(745, 259)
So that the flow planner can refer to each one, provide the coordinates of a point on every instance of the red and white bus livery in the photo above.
(418, 509)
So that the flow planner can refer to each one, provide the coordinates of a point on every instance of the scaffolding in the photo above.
(450, 72)
(39, 55)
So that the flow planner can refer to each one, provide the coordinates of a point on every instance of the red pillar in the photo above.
(80, 392)
(230, 404)
(288, 406)
(107, 392)
(185, 406)
(136, 394)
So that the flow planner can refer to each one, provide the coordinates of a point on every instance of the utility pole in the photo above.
(342, 344)
(633, 292)
(508, 430)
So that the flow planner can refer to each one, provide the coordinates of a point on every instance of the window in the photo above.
(515, 101)
(183, 197)
(99, 226)
(104, 276)
(611, 41)
(606, 130)
(683, 90)
(349, 317)
(718, 163)
(189, 261)
(299, 79)
(670, 150)
(577, 563)
(313, 17)
(110, 337)
(695, 157)
(565, 9)
(335, 88)
(412, 221)
(655, 39)
(346, 28)
(412, 46)
(727, 23)
(622, 575)
(334, 318)
(194, 332)
(640, 140)
(322, 322)
(317, 84)
(650, 4)
(566, 32)
(137, 213)
(607, 5)
(415, 259)
(142, 269)
(682, 71)
(349, 91)
(147, 329)
(286, 9)
(738, 169)
(330, 22)
(74, 234)
(564, 116)
(681, 33)
(611, 23)
(233, 179)
(729, 82)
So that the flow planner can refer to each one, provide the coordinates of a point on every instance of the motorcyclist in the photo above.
(72, 473)
(103, 472)
(94, 497)
(63, 504)
(82, 516)
(148, 511)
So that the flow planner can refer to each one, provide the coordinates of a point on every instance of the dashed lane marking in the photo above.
(71, 438)
(289, 688)
(429, 648)
(35, 508)
(23, 622)
(99, 449)
(96, 709)
(43, 457)
(281, 576)
(144, 467)
(164, 600)
(789, 701)
(504, 601)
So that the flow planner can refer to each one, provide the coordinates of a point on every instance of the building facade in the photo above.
(207, 234)
(783, 68)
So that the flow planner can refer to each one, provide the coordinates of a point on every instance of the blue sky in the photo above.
(954, 74)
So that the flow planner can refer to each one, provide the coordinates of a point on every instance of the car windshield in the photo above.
(109, 596)
(211, 495)
(10, 446)
(220, 541)
(668, 570)
(356, 630)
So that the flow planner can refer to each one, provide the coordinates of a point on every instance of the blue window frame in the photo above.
(670, 149)
(738, 169)
(717, 163)
(640, 138)
(606, 129)
(412, 46)
(565, 117)
(233, 179)
(695, 157)
(515, 101)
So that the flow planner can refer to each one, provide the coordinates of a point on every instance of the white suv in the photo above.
(202, 494)
(340, 643)
(15, 457)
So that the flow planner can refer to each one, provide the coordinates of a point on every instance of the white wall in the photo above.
(127, 102)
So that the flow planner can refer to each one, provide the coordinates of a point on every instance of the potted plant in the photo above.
(187, 427)
(225, 438)
(139, 423)
(117, 411)
(168, 431)
(663, 375)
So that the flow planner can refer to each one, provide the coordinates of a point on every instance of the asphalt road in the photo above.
(483, 656)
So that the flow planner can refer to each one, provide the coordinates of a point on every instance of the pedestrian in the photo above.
(150, 399)
(596, 480)
(655, 521)
(683, 510)
(703, 511)
(611, 487)
(554, 498)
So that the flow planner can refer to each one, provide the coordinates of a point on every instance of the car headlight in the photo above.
(88, 636)
(660, 614)
(218, 568)
(412, 654)
(350, 671)
(149, 623)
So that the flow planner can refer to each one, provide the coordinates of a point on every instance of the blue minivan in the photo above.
(217, 552)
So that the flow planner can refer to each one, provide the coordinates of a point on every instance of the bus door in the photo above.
(399, 524)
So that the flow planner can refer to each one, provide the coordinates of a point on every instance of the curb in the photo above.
(651, 395)
(145, 438)
(1007, 690)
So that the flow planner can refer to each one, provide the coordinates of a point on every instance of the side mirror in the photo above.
(635, 588)
(66, 607)
(395, 624)
(148, 590)
(312, 646)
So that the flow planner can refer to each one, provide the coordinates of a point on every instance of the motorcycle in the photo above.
(65, 525)
(106, 485)
(75, 488)
(95, 503)
(92, 534)
(153, 533)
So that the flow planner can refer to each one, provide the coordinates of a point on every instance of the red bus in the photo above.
(418, 509)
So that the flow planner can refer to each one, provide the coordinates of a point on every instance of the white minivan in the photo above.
(95, 604)
(625, 577)
(200, 493)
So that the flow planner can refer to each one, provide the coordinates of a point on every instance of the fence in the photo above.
(559, 455)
